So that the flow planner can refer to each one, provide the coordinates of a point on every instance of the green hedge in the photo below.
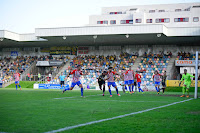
(179, 89)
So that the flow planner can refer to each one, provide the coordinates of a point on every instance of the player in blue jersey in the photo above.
(62, 80)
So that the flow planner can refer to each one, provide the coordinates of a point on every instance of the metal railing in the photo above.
(32, 78)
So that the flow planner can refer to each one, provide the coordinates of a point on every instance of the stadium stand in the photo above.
(8, 66)
(20, 63)
(95, 65)
(151, 62)
(186, 56)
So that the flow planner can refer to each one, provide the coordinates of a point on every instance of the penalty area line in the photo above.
(116, 117)
(79, 96)
(117, 101)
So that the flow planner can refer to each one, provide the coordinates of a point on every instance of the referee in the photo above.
(62, 80)
(101, 81)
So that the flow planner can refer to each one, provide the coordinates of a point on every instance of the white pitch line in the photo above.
(118, 101)
(79, 96)
(121, 116)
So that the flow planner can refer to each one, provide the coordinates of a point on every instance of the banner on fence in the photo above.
(186, 62)
(52, 86)
(175, 83)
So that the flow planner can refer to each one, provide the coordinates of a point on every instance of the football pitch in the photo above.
(37, 111)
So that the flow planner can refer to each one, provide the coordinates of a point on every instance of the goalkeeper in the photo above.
(187, 82)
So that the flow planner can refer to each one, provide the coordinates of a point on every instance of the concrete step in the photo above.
(7, 84)
(136, 64)
(64, 68)
(170, 67)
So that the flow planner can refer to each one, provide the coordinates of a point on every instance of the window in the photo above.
(115, 12)
(196, 19)
(161, 10)
(133, 9)
(129, 21)
(181, 20)
(198, 6)
(149, 20)
(126, 21)
(112, 21)
(177, 10)
(188, 9)
(162, 20)
(123, 21)
(151, 11)
(102, 22)
(27, 49)
(105, 22)
(138, 20)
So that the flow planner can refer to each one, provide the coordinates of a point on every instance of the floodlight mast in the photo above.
(196, 74)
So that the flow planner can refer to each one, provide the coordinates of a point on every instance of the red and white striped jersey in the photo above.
(111, 76)
(76, 75)
(125, 77)
(130, 74)
(16, 76)
(157, 78)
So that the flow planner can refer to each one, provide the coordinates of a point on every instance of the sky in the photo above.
(23, 16)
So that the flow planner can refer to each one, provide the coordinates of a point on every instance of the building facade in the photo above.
(170, 15)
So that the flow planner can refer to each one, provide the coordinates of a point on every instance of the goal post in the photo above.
(196, 75)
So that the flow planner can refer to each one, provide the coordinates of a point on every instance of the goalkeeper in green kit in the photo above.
(187, 82)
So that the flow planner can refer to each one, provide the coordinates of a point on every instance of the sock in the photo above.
(187, 90)
(125, 88)
(16, 87)
(163, 90)
(183, 90)
(141, 89)
(103, 89)
(110, 91)
(19, 86)
(117, 91)
(130, 88)
(157, 89)
(81, 91)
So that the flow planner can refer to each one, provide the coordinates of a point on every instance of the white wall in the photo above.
(143, 13)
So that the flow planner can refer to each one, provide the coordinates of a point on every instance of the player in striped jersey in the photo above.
(125, 78)
(156, 80)
(130, 75)
(17, 76)
(76, 79)
(111, 81)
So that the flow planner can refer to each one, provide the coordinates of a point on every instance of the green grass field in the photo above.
(37, 111)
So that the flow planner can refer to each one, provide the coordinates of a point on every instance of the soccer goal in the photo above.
(197, 63)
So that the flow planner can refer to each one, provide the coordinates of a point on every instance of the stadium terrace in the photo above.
(139, 61)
